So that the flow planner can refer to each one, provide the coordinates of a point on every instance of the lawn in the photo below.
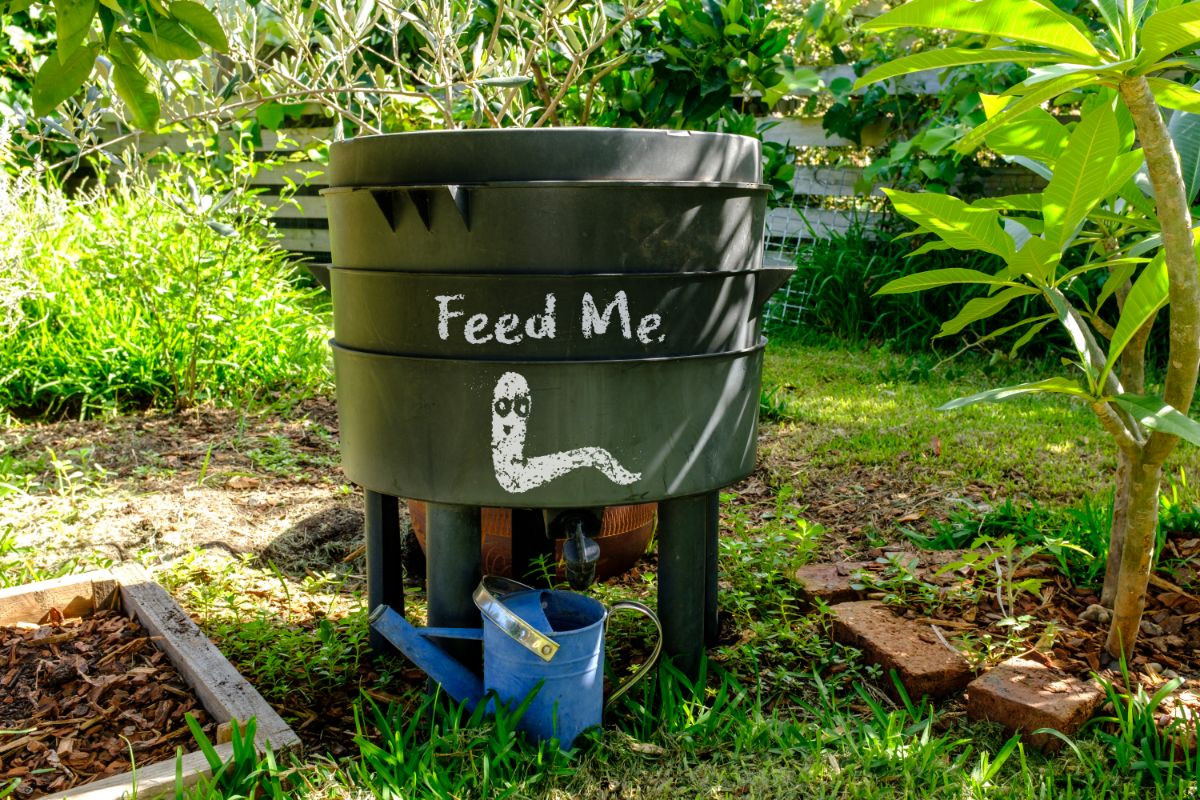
(246, 521)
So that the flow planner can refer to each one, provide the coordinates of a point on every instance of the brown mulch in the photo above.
(77, 696)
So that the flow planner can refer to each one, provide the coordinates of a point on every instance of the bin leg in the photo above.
(385, 558)
(712, 531)
(452, 556)
(682, 588)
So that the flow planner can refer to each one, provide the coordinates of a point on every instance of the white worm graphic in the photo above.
(517, 472)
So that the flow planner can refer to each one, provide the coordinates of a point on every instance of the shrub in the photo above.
(153, 293)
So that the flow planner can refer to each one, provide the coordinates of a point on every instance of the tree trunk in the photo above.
(1130, 596)
(1120, 523)
(1174, 214)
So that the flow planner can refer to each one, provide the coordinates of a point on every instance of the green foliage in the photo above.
(246, 774)
(838, 281)
(160, 293)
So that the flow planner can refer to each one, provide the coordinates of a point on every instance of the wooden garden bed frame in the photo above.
(223, 692)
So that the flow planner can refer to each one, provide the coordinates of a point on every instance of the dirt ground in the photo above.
(272, 486)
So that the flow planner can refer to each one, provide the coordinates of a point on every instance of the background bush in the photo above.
(151, 293)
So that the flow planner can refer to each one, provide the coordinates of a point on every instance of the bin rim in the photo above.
(561, 362)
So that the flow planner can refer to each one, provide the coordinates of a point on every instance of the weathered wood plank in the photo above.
(221, 688)
(73, 595)
(810, 223)
(297, 207)
(807, 132)
(304, 240)
(152, 781)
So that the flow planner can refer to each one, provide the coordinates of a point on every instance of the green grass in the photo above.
(151, 293)
(875, 408)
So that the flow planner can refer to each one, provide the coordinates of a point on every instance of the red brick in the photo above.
(830, 583)
(923, 664)
(1024, 695)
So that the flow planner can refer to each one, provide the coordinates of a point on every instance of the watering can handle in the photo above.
(485, 597)
(645, 611)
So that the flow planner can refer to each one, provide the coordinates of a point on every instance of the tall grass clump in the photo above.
(152, 292)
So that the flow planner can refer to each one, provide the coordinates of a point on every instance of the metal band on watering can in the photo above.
(521, 631)
(641, 672)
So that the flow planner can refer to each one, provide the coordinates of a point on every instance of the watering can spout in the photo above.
(458, 681)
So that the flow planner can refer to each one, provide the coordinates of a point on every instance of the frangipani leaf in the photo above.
(1030, 100)
(949, 57)
(1149, 294)
(1035, 134)
(1169, 30)
(955, 222)
(983, 307)
(1157, 415)
(1020, 20)
(1049, 385)
(1079, 177)
(1170, 94)
(933, 278)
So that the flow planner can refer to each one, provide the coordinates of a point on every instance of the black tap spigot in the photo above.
(580, 552)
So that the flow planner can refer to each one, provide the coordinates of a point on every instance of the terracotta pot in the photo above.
(624, 535)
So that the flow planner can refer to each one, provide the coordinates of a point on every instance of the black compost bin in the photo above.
(553, 320)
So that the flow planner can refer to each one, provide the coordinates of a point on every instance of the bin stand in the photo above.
(453, 560)
(385, 559)
(687, 577)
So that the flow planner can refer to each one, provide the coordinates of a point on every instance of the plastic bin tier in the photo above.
(549, 319)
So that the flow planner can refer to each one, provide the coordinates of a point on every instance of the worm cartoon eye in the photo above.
(521, 406)
(503, 406)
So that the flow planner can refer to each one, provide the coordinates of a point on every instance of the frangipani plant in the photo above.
(1143, 240)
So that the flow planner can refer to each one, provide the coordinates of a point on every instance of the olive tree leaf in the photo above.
(952, 220)
(58, 80)
(1149, 294)
(933, 278)
(72, 21)
(1156, 414)
(1049, 385)
(1079, 177)
(950, 57)
(983, 307)
(202, 23)
(1169, 30)
(1024, 21)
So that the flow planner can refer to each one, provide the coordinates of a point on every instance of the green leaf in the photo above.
(1072, 323)
(1124, 167)
(1111, 15)
(1036, 259)
(1030, 100)
(1148, 295)
(939, 277)
(1049, 385)
(133, 87)
(169, 41)
(983, 307)
(949, 57)
(1027, 337)
(201, 22)
(1117, 275)
(952, 220)
(56, 81)
(72, 21)
(1011, 202)
(1154, 413)
(1021, 20)
(931, 246)
(1079, 177)
(1184, 130)
(1168, 31)
(1035, 134)
(1170, 94)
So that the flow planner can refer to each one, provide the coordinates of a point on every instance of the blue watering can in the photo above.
(530, 637)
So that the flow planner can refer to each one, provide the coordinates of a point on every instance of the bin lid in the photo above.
(544, 154)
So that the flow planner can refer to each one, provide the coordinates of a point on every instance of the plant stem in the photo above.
(1183, 362)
